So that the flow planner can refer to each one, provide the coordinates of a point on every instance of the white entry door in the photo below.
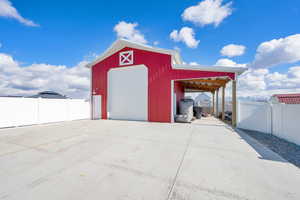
(96, 106)
(128, 93)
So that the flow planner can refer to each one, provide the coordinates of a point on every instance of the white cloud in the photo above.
(27, 80)
(177, 48)
(7, 10)
(233, 50)
(277, 51)
(155, 43)
(128, 31)
(290, 80)
(263, 83)
(194, 63)
(253, 80)
(228, 63)
(207, 12)
(186, 35)
(294, 72)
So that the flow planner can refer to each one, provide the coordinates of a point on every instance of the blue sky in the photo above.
(65, 33)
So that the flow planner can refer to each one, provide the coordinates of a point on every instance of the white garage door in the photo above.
(128, 93)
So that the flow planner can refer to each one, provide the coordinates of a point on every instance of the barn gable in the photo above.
(122, 43)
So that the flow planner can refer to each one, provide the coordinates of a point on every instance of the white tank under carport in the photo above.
(185, 110)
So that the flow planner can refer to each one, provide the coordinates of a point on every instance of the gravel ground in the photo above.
(287, 150)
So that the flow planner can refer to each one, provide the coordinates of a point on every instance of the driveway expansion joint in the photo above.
(180, 164)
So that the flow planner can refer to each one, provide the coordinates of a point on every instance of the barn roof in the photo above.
(288, 98)
(121, 43)
(177, 62)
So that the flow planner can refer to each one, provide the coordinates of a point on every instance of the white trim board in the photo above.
(238, 70)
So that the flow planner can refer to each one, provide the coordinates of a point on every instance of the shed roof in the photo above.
(288, 98)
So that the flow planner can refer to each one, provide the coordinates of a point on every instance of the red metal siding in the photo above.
(160, 74)
(179, 90)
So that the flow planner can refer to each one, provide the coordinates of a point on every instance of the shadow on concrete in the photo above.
(287, 150)
(261, 143)
(264, 152)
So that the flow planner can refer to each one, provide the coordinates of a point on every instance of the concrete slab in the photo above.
(139, 160)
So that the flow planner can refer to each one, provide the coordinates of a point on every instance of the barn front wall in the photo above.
(160, 75)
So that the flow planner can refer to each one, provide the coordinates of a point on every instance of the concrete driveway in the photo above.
(139, 160)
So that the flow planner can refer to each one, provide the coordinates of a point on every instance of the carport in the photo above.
(213, 86)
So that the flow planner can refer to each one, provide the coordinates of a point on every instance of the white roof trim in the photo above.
(121, 43)
(238, 70)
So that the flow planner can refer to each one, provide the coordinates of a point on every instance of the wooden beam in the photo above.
(199, 87)
(234, 103)
(218, 81)
(223, 103)
(214, 87)
(208, 84)
(194, 90)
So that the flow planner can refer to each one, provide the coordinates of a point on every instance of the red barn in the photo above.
(138, 82)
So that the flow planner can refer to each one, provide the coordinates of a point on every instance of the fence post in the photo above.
(38, 110)
(238, 105)
(68, 110)
(233, 117)
(271, 107)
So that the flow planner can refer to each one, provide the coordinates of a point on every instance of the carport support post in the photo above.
(234, 103)
(223, 103)
(217, 103)
(213, 103)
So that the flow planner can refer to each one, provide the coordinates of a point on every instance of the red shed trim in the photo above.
(288, 98)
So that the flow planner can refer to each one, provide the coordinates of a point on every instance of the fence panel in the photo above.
(78, 109)
(290, 123)
(281, 120)
(53, 110)
(254, 116)
(26, 111)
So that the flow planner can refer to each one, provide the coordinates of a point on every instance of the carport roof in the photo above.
(204, 84)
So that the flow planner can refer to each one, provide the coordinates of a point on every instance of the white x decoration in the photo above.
(126, 58)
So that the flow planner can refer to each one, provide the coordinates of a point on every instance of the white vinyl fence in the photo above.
(27, 111)
(282, 120)
(286, 122)
(254, 116)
